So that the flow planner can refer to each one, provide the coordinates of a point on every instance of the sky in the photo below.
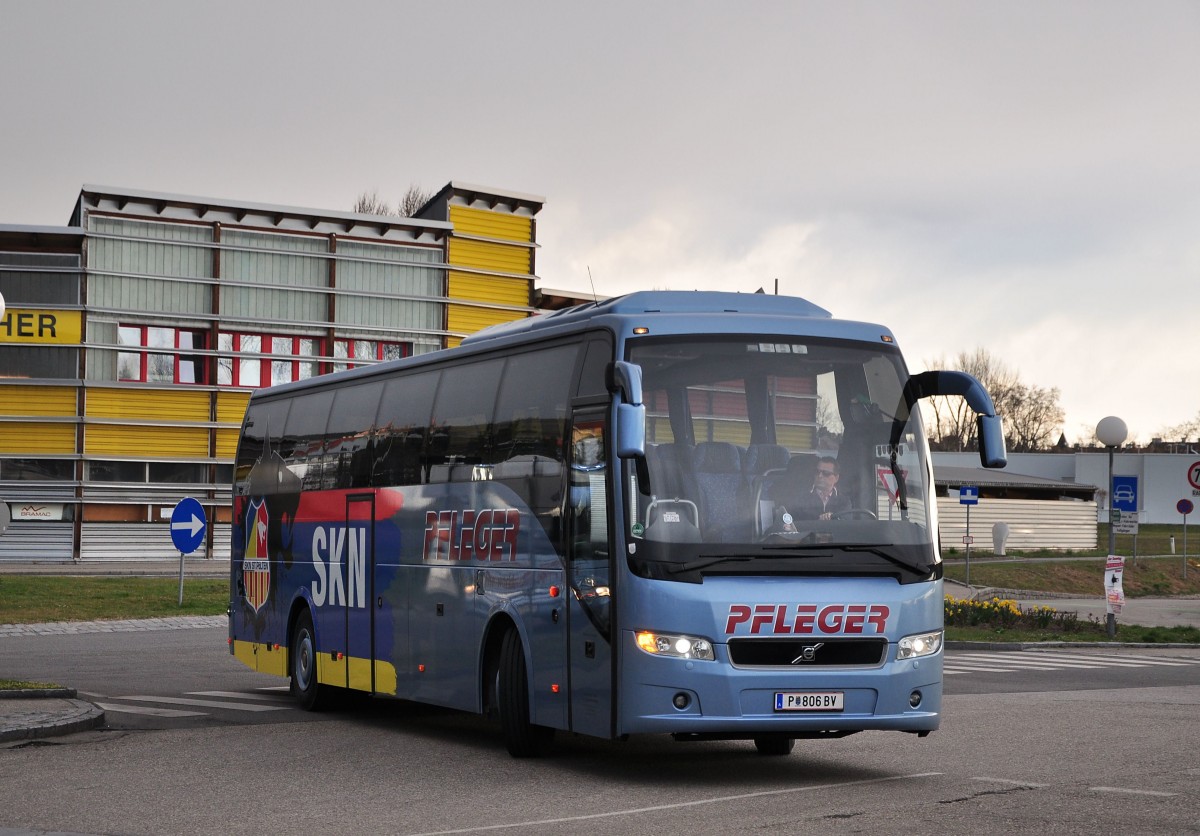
(1021, 177)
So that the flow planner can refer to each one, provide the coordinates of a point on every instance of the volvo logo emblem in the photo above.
(808, 653)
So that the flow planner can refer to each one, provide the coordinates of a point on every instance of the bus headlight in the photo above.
(675, 646)
(922, 644)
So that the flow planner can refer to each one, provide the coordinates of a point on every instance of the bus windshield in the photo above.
(778, 454)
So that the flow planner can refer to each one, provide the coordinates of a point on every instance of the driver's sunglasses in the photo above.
(826, 473)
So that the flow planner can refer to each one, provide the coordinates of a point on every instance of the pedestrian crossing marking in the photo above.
(148, 710)
(239, 695)
(1040, 660)
(236, 706)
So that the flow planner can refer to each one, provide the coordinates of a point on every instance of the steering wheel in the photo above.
(854, 514)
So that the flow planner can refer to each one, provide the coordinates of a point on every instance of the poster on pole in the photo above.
(1114, 594)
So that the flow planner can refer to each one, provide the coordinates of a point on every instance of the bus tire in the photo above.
(522, 738)
(774, 746)
(302, 665)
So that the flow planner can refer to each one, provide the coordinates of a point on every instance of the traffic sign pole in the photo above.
(1185, 507)
(188, 526)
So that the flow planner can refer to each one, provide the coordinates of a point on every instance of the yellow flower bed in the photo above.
(1002, 612)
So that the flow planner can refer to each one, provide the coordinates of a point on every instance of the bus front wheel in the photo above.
(523, 738)
(302, 662)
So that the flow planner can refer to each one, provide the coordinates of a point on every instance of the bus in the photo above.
(601, 520)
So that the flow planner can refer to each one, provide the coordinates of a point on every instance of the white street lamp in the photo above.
(1111, 432)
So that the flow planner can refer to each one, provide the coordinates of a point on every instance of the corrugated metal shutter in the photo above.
(488, 224)
(503, 258)
(467, 320)
(231, 407)
(157, 405)
(38, 542)
(145, 442)
(26, 437)
(1032, 523)
(494, 290)
(38, 400)
(142, 541)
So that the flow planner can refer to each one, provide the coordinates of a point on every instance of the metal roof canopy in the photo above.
(285, 218)
(952, 477)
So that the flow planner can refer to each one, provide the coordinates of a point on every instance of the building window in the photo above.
(37, 470)
(366, 352)
(163, 355)
(253, 360)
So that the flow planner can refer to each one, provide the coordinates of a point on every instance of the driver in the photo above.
(822, 501)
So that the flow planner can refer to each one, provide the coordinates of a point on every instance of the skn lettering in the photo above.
(486, 534)
(807, 619)
(335, 586)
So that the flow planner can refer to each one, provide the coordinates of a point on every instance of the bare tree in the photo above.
(1187, 430)
(413, 200)
(370, 203)
(1032, 415)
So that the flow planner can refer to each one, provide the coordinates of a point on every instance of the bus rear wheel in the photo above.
(302, 664)
(775, 745)
(522, 738)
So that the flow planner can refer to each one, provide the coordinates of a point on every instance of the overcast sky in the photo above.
(1021, 177)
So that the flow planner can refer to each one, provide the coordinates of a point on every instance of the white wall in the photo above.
(1162, 477)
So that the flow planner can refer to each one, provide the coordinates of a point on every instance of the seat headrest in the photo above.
(717, 457)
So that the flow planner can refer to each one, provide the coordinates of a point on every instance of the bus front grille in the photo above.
(774, 653)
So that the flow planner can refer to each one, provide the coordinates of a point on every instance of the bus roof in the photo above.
(656, 302)
(667, 311)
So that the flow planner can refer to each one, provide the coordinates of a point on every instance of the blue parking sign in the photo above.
(1125, 493)
(188, 525)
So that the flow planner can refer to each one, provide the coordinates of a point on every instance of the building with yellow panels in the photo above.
(133, 337)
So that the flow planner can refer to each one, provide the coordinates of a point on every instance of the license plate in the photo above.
(809, 701)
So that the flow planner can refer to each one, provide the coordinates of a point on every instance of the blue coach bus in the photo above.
(709, 515)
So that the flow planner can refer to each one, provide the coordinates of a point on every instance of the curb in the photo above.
(967, 645)
(49, 715)
(29, 693)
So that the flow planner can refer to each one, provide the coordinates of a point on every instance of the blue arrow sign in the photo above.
(968, 495)
(187, 525)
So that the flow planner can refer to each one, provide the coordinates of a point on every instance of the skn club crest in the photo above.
(256, 564)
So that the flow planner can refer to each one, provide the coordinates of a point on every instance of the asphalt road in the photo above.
(1072, 742)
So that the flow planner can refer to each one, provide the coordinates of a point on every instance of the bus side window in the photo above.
(352, 439)
(531, 414)
(303, 443)
(460, 445)
(402, 425)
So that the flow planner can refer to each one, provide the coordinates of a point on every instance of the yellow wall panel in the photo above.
(466, 320)
(493, 289)
(488, 224)
(231, 406)
(148, 404)
(22, 437)
(503, 258)
(227, 444)
(37, 400)
(145, 442)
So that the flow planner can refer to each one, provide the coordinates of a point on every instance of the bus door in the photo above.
(590, 570)
(359, 557)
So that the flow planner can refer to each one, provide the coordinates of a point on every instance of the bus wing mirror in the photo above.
(631, 431)
(989, 425)
(626, 379)
(991, 441)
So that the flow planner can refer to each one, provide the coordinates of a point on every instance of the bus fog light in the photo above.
(914, 699)
(921, 644)
(681, 701)
(675, 646)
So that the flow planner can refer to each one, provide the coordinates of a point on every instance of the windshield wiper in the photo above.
(882, 550)
(705, 562)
